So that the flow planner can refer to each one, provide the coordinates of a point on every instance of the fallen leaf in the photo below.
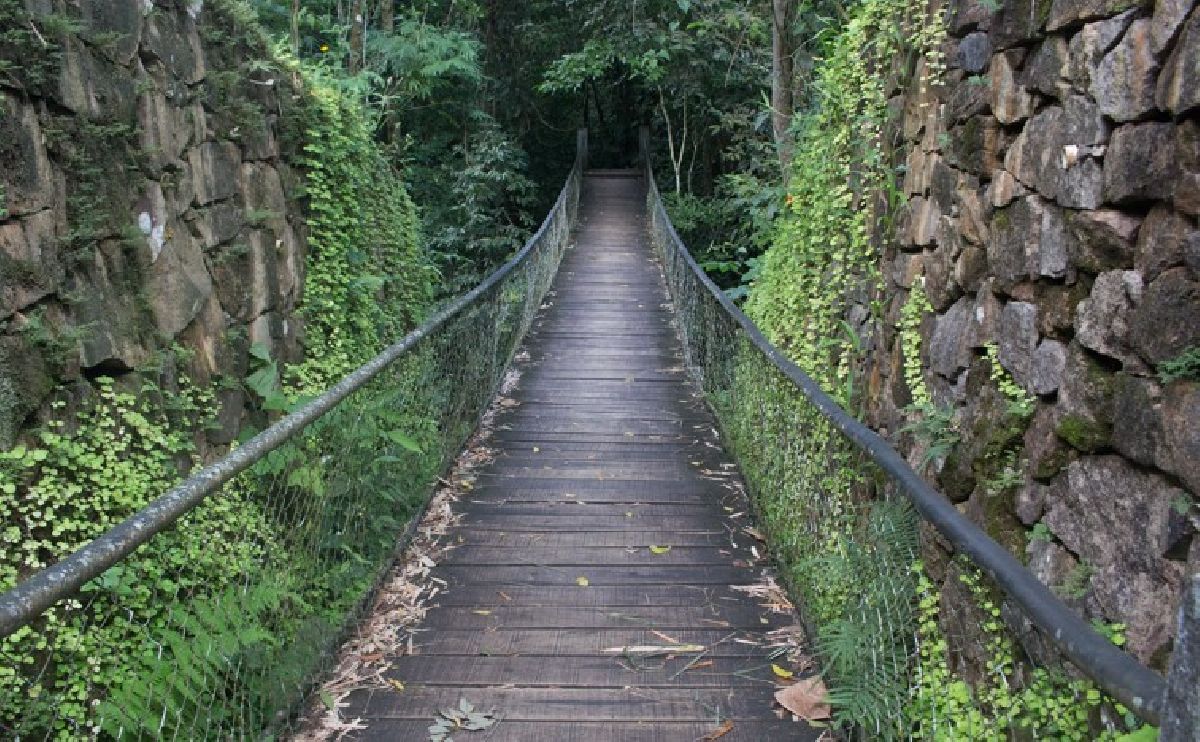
(373, 657)
(327, 699)
(536, 449)
(664, 637)
(628, 514)
(482, 613)
(780, 672)
(505, 595)
(659, 549)
(582, 581)
(719, 732)
(807, 698)
(698, 665)
(396, 685)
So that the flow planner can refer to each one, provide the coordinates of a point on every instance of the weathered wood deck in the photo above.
(610, 451)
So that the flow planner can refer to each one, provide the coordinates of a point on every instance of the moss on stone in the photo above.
(1083, 433)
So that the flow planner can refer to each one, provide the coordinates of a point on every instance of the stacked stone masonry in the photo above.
(1052, 179)
(145, 202)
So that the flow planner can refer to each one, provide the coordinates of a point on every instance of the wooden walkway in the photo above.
(609, 452)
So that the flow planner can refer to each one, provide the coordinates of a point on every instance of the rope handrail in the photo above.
(480, 329)
(1118, 673)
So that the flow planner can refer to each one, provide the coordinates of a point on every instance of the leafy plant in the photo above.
(464, 718)
(1186, 365)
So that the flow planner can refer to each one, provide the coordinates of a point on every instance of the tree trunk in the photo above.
(387, 16)
(782, 73)
(296, 28)
(357, 18)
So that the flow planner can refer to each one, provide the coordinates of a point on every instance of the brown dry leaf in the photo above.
(373, 657)
(698, 665)
(664, 637)
(505, 595)
(807, 699)
(719, 732)
(396, 685)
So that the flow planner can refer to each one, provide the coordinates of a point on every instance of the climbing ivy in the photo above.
(825, 260)
(367, 278)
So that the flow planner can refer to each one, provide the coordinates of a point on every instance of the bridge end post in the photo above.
(581, 147)
(644, 146)
(1181, 708)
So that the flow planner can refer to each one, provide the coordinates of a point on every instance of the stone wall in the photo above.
(1053, 186)
(145, 200)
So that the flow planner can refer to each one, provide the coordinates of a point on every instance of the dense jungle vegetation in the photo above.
(430, 138)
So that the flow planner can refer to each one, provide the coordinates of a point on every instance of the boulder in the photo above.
(1165, 323)
(25, 380)
(952, 339)
(1064, 13)
(1011, 102)
(215, 170)
(1101, 240)
(1119, 521)
(969, 15)
(1055, 153)
(27, 177)
(975, 145)
(1141, 163)
(1046, 371)
(1167, 22)
(1028, 241)
(1162, 241)
(1089, 46)
(1045, 452)
(1017, 339)
(1083, 414)
(974, 51)
(1180, 452)
(179, 283)
(1179, 84)
(1003, 189)
(1102, 322)
(1017, 22)
(1123, 84)
(173, 40)
(1047, 70)
(1187, 150)
(1137, 419)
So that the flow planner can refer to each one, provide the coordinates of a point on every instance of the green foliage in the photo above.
(119, 452)
(934, 430)
(29, 58)
(1186, 365)
(823, 252)
(364, 251)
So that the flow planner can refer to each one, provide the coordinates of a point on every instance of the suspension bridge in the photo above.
(592, 587)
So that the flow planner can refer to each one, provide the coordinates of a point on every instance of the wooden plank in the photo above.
(640, 555)
(597, 575)
(569, 704)
(584, 671)
(498, 614)
(516, 594)
(606, 731)
(574, 642)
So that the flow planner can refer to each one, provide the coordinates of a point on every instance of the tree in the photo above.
(783, 48)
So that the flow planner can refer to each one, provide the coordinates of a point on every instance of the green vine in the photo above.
(367, 278)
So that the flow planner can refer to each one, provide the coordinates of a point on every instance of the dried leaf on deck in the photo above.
(807, 698)
(719, 732)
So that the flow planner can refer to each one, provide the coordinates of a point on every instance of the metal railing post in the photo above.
(1181, 706)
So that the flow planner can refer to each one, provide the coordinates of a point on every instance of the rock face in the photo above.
(143, 205)
(1069, 245)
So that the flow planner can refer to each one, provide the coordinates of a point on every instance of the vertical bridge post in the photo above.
(1181, 708)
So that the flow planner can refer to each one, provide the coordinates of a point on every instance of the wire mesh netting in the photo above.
(218, 626)
(915, 641)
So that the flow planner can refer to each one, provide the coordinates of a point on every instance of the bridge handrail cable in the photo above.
(1117, 672)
